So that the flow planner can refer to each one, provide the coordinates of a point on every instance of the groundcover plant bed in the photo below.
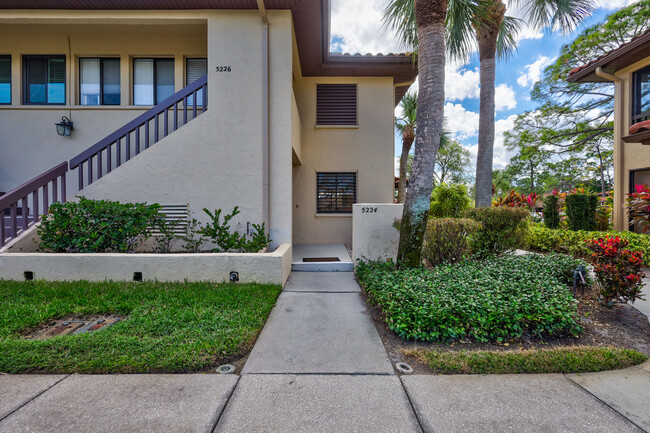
(495, 299)
(166, 327)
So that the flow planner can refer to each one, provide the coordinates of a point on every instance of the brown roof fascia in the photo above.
(628, 53)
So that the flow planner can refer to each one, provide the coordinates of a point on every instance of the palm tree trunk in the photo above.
(485, 134)
(430, 18)
(407, 142)
(487, 33)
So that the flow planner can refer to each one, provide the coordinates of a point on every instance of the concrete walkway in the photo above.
(320, 366)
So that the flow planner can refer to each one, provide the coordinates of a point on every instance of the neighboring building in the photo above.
(292, 134)
(628, 67)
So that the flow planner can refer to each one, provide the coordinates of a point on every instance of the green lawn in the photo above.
(560, 360)
(168, 327)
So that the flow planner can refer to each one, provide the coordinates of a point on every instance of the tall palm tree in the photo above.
(495, 34)
(405, 124)
(485, 23)
(429, 20)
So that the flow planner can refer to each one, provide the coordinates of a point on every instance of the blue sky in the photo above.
(356, 27)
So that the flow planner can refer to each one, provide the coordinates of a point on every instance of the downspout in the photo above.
(266, 214)
(619, 175)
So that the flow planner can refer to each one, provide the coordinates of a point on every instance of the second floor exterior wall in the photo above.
(631, 160)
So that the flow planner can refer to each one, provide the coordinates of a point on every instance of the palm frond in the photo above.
(460, 35)
(507, 39)
(409, 104)
(399, 16)
(563, 15)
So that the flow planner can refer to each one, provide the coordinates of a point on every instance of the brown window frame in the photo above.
(637, 115)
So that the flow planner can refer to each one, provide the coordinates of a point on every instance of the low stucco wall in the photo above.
(270, 268)
(373, 235)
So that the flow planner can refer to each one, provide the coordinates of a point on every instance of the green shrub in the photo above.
(96, 226)
(502, 229)
(447, 240)
(495, 299)
(449, 201)
(552, 212)
(226, 240)
(581, 211)
(540, 238)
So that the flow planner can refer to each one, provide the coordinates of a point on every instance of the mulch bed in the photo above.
(620, 326)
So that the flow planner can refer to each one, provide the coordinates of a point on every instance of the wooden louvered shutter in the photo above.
(336, 104)
(335, 192)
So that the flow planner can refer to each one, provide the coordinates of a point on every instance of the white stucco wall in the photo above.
(270, 268)
(373, 235)
(367, 150)
(216, 160)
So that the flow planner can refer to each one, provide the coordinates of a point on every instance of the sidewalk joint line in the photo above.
(319, 291)
(220, 414)
(408, 397)
(35, 397)
(320, 374)
(601, 400)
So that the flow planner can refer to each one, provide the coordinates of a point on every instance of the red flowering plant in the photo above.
(512, 199)
(618, 270)
(637, 206)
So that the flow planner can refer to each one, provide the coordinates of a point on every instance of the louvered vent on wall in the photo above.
(335, 192)
(177, 217)
(336, 104)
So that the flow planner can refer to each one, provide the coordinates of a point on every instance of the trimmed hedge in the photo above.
(502, 229)
(581, 211)
(540, 238)
(449, 201)
(447, 239)
(495, 299)
(551, 212)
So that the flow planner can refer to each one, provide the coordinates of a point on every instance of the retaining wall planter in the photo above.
(269, 268)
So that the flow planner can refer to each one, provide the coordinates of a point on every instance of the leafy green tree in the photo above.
(574, 120)
(452, 163)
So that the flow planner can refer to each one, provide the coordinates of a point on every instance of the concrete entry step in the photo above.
(321, 258)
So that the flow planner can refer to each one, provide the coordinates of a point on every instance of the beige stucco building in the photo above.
(287, 131)
(628, 67)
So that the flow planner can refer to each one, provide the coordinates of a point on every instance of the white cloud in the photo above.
(358, 24)
(613, 4)
(460, 83)
(501, 154)
(533, 71)
(505, 98)
(460, 122)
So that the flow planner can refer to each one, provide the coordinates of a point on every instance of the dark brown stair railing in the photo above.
(98, 159)
(16, 219)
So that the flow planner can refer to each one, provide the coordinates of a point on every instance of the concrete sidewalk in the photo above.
(319, 366)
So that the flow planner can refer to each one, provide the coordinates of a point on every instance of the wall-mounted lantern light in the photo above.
(64, 127)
